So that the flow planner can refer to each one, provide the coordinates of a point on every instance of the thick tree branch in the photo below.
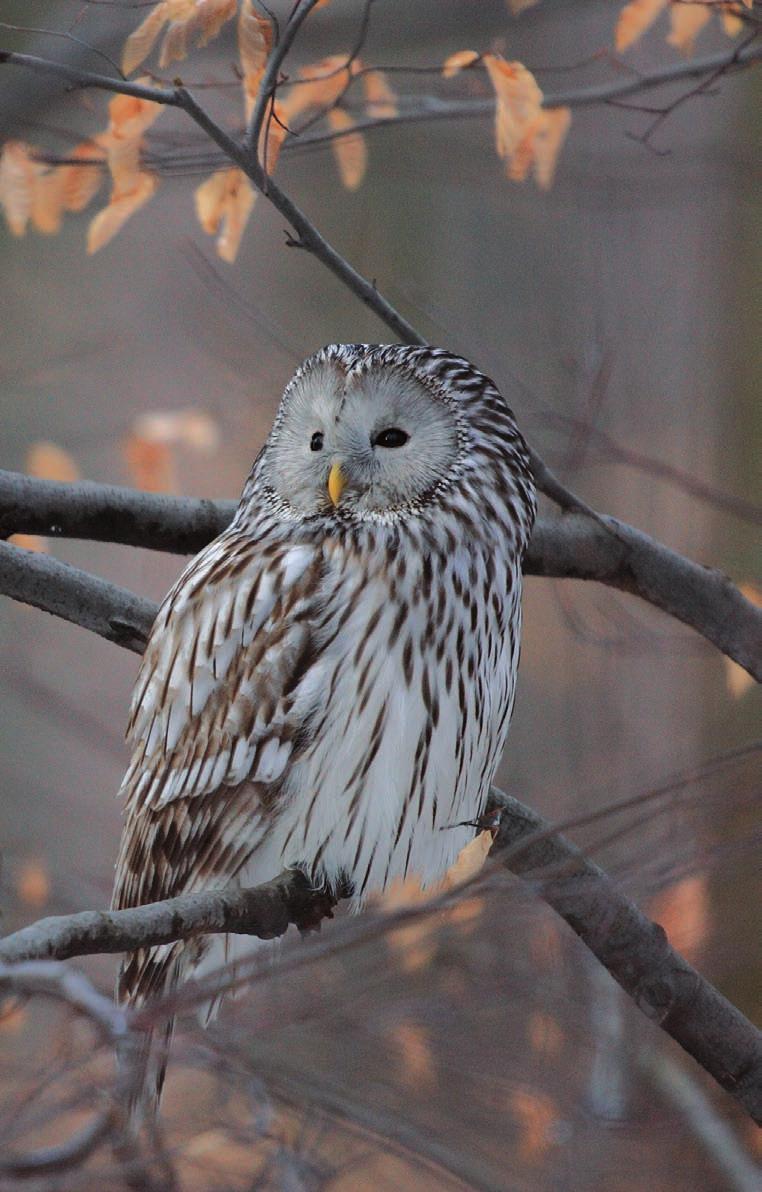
(574, 546)
(631, 947)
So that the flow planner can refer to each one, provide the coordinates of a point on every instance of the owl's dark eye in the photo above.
(316, 442)
(391, 437)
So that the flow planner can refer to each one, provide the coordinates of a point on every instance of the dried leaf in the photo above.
(519, 6)
(13, 1016)
(684, 911)
(79, 184)
(459, 61)
(198, 21)
(33, 884)
(105, 225)
(549, 137)
(634, 19)
(150, 464)
(545, 1034)
(319, 85)
(687, 21)
(379, 96)
(536, 1115)
(47, 200)
(469, 860)
(33, 542)
(732, 23)
(129, 118)
(140, 43)
(350, 151)
(255, 40)
(48, 461)
(17, 174)
(412, 1040)
(191, 427)
(224, 202)
(518, 115)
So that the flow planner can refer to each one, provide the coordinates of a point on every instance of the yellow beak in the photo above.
(336, 483)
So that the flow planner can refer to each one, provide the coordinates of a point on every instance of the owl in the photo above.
(329, 683)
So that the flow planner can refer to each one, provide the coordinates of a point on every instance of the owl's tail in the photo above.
(145, 977)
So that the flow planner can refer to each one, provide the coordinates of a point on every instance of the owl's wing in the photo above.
(228, 653)
(229, 679)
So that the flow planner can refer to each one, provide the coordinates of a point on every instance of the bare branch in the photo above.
(65, 1155)
(29, 976)
(429, 108)
(269, 82)
(266, 911)
(76, 596)
(577, 545)
(631, 947)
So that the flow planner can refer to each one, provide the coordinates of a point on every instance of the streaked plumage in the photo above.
(330, 686)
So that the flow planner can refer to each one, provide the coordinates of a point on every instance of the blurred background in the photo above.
(619, 313)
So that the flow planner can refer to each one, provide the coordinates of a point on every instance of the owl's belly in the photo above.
(406, 749)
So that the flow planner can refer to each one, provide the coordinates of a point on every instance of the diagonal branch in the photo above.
(575, 546)
(630, 946)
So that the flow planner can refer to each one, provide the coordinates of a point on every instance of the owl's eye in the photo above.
(391, 437)
(316, 442)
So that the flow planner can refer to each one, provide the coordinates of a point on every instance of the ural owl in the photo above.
(329, 683)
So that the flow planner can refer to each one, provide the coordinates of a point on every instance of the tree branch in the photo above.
(426, 109)
(574, 546)
(631, 947)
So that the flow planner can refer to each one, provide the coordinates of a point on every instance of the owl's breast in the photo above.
(408, 706)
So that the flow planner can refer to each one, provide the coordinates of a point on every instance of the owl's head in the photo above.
(365, 431)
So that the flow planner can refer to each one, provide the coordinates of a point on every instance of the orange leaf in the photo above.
(687, 21)
(634, 19)
(518, 113)
(412, 1040)
(349, 151)
(193, 20)
(320, 85)
(255, 40)
(105, 225)
(17, 174)
(140, 43)
(518, 6)
(536, 1115)
(48, 461)
(459, 61)
(32, 883)
(33, 542)
(224, 203)
(737, 679)
(80, 183)
(684, 911)
(381, 99)
(548, 141)
(150, 464)
(731, 21)
(47, 200)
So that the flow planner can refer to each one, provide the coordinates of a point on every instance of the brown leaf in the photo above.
(518, 113)
(79, 184)
(48, 461)
(459, 61)
(33, 884)
(150, 464)
(634, 19)
(549, 137)
(47, 199)
(255, 40)
(686, 22)
(412, 1041)
(350, 151)
(224, 202)
(140, 43)
(33, 542)
(17, 174)
(380, 98)
(684, 911)
(319, 85)
(198, 21)
(105, 225)
(519, 6)
(731, 21)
